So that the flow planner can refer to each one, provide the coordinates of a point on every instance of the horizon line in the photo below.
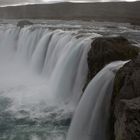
(55, 2)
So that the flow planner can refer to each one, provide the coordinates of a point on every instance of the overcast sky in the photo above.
(13, 2)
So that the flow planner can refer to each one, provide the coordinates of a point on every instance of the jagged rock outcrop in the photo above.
(126, 102)
(125, 108)
(107, 49)
(23, 23)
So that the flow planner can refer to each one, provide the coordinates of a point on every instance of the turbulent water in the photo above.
(41, 78)
(43, 69)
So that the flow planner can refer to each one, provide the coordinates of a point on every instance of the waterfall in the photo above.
(57, 56)
(42, 74)
(90, 121)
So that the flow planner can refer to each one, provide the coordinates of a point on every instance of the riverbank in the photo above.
(109, 11)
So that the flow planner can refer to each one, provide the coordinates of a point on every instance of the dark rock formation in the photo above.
(127, 125)
(107, 49)
(125, 108)
(126, 102)
(23, 23)
(127, 81)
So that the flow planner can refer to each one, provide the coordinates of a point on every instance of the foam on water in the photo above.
(38, 80)
(42, 75)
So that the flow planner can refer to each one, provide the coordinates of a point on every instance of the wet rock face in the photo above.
(126, 102)
(107, 49)
(127, 80)
(127, 125)
(125, 108)
(23, 23)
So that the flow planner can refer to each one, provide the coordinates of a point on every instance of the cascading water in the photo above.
(90, 120)
(40, 70)
(42, 75)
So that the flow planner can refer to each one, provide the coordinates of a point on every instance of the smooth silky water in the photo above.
(39, 74)
(42, 75)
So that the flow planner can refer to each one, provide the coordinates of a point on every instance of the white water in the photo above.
(42, 74)
(38, 55)
(90, 121)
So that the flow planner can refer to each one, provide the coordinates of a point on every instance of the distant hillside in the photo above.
(111, 11)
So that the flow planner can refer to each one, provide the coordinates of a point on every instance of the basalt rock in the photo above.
(23, 23)
(107, 49)
(126, 102)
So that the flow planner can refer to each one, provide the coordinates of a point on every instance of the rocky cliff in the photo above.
(104, 50)
(125, 108)
(126, 102)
